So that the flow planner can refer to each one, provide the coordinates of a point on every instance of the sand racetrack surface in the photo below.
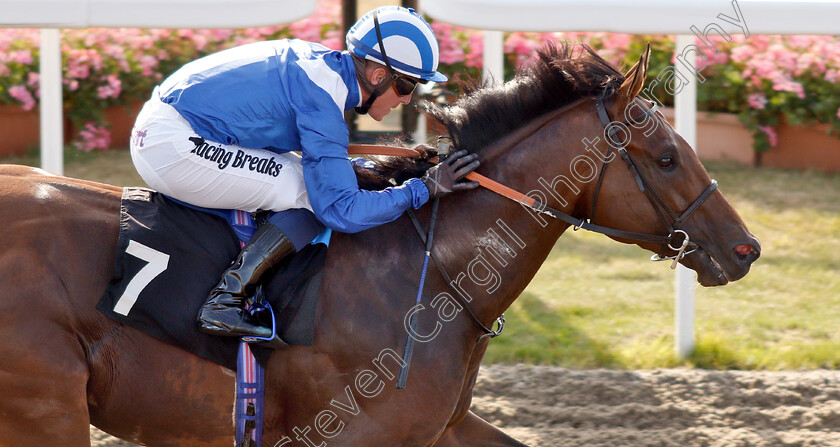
(550, 406)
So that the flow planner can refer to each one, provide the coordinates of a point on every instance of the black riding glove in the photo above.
(443, 178)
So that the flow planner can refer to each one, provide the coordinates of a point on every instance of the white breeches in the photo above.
(175, 161)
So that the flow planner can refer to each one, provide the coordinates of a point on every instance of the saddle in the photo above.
(169, 256)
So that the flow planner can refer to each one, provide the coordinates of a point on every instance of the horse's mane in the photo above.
(561, 74)
(380, 172)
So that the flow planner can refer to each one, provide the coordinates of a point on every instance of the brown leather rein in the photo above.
(539, 207)
(492, 185)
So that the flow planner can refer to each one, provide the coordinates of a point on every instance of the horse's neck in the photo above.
(490, 246)
(495, 245)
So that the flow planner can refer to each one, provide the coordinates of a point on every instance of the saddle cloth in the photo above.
(170, 256)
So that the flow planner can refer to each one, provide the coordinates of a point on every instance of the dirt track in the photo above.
(549, 406)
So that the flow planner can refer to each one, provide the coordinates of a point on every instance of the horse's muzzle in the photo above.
(721, 268)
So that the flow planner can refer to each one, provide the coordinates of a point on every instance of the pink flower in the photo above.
(764, 68)
(23, 95)
(148, 63)
(77, 64)
(21, 56)
(450, 51)
(93, 137)
(114, 51)
(771, 135)
(78, 71)
(33, 80)
(221, 35)
(757, 101)
(808, 62)
(618, 41)
(519, 43)
(742, 53)
(838, 113)
(720, 58)
(334, 40)
(451, 55)
(200, 41)
(786, 85)
(112, 89)
(475, 57)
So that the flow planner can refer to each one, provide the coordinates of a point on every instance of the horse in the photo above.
(66, 366)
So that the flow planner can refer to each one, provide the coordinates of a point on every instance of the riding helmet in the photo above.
(410, 44)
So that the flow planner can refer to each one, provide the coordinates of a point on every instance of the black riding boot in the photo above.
(224, 313)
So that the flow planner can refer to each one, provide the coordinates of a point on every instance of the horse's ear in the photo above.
(634, 80)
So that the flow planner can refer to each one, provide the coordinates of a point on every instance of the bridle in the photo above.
(671, 219)
(677, 239)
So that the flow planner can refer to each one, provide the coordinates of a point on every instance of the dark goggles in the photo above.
(404, 86)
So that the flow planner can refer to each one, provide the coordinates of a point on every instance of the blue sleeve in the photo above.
(330, 180)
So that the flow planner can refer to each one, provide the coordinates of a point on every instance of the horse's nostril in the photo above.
(746, 253)
(744, 249)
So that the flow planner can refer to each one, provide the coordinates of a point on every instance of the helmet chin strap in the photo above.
(382, 86)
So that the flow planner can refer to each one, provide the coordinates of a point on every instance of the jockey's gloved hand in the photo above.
(444, 178)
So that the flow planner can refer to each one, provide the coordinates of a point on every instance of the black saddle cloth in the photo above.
(170, 256)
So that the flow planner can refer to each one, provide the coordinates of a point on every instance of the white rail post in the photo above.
(493, 57)
(52, 125)
(685, 117)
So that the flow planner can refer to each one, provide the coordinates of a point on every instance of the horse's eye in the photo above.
(666, 161)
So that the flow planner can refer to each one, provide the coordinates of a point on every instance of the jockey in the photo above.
(220, 131)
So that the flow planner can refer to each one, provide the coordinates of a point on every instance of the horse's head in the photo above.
(573, 108)
(659, 187)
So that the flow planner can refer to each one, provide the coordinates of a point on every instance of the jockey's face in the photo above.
(386, 102)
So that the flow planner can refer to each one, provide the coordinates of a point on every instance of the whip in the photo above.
(443, 146)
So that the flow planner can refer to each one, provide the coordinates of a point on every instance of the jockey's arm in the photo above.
(331, 182)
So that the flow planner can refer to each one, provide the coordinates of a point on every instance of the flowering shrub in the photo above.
(764, 79)
(461, 50)
(103, 68)
(768, 80)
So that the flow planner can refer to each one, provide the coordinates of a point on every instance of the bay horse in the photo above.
(65, 366)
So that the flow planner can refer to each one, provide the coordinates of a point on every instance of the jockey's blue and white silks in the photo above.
(244, 104)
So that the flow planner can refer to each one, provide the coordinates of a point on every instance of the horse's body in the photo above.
(64, 365)
(82, 368)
